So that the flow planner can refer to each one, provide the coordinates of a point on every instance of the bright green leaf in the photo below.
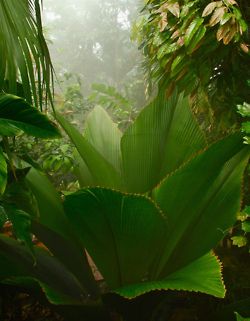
(246, 226)
(239, 241)
(201, 199)
(122, 233)
(192, 29)
(164, 136)
(103, 172)
(202, 275)
(104, 135)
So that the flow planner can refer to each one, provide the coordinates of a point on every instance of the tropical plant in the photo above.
(202, 47)
(150, 167)
(145, 213)
(242, 230)
(25, 64)
(17, 116)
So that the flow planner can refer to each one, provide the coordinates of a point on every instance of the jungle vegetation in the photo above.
(123, 196)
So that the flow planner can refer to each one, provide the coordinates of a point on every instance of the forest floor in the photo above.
(16, 304)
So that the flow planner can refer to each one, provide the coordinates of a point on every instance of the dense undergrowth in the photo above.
(111, 211)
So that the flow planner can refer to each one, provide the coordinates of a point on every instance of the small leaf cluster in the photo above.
(242, 237)
(192, 44)
(244, 111)
(116, 103)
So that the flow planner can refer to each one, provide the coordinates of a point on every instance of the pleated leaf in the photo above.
(17, 115)
(59, 284)
(201, 200)
(81, 171)
(53, 229)
(24, 55)
(164, 135)
(125, 235)
(122, 233)
(104, 135)
(202, 275)
(103, 172)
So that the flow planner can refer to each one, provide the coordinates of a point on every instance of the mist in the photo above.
(89, 42)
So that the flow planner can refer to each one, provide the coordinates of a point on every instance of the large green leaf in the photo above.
(24, 54)
(17, 115)
(125, 235)
(3, 173)
(81, 171)
(201, 200)
(103, 172)
(104, 135)
(53, 229)
(202, 275)
(59, 284)
(164, 135)
(122, 233)
(50, 207)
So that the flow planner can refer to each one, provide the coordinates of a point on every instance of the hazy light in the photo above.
(122, 18)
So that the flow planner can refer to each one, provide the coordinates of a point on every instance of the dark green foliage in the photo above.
(24, 60)
(17, 115)
(202, 47)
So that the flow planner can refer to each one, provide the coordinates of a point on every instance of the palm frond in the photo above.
(24, 57)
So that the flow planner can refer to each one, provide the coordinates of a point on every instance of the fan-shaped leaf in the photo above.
(102, 171)
(104, 135)
(202, 275)
(201, 200)
(123, 233)
(164, 135)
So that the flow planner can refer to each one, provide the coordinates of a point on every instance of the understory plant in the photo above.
(154, 202)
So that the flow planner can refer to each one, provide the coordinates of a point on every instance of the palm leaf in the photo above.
(104, 135)
(164, 135)
(100, 168)
(124, 235)
(121, 232)
(202, 275)
(201, 200)
(24, 54)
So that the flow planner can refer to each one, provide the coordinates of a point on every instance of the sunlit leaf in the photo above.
(209, 8)
(192, 29)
